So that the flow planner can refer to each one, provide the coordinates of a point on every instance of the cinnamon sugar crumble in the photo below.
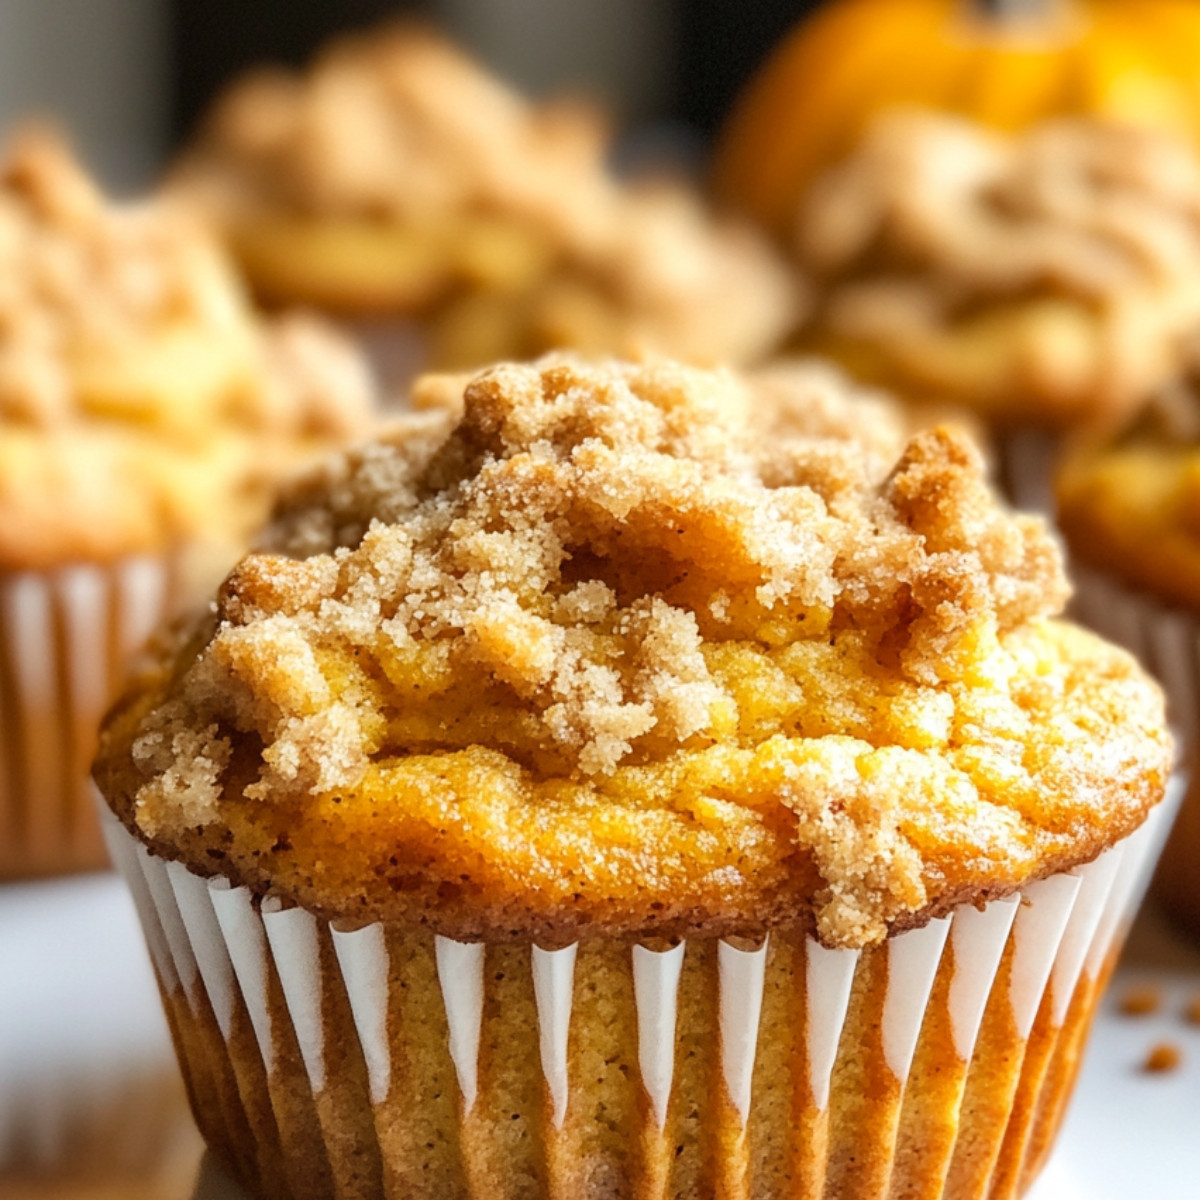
(397, 122)
(613, 631)
(80, 273)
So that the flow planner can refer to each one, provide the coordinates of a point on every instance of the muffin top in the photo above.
(396, 176)
(620, 649)
(1051, 277)
(140, 402)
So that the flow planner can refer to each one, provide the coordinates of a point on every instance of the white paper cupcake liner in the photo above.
(938, 1016)
(65, 636)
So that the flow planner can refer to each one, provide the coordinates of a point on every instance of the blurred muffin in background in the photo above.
(144, 414)
(1129, 509)
(396, 180)
(1048, 280)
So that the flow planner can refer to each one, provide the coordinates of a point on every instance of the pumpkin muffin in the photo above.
(144, 414)
(1048, 280)
(606, 787)
(396, 182)
(1128, 511)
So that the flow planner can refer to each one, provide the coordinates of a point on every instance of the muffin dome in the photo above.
(620, 648)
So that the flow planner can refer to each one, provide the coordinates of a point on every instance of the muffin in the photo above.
(1127, 510)
(1049, 280)
(144, 413)
(605, 789)
(397, 183)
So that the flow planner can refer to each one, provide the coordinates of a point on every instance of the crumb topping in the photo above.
(654, 278)
(498, 217)
(628, 644)
(1051, 276)
(139, 400)
(789, 398)
(81, 277)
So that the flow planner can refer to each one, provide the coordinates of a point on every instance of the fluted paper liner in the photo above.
(1167, 641)
(65, 636)
(361, 1063)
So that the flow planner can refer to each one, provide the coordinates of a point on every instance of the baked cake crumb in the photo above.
(1162, 1057)
(608, 643)
(1141, 1000)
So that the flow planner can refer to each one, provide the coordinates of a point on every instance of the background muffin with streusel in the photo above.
(1048, 280)
(660, 794)
(396, 181)
(144, 415)
(1129, 509)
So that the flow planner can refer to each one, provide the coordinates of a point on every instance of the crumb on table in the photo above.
(1164, 1056)
(1140, 1000)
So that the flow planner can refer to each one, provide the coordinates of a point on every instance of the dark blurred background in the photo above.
(130, 77)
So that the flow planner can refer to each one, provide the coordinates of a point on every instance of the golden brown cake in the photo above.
(613, 785)
(1050, 278)
(396, 178)
(144, 414)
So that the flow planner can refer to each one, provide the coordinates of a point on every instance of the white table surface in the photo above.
(80, 1015)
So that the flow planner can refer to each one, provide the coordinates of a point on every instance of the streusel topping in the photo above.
(658, 275)
(787, 398)
(1050, 276)
(140, 401)
(613, 648)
